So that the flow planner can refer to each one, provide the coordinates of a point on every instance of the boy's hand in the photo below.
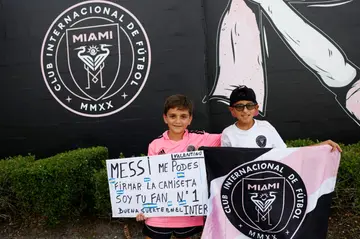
(140, 217)
(334, 145)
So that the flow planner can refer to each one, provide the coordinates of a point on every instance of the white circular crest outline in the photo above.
(246, 175)
(148, 64)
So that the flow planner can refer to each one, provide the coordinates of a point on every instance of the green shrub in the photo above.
(300, 142)
(102, 194)
(347, 191)
(97, 156)
(59, 186)
(7, 197)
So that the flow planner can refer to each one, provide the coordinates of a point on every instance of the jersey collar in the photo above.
(166, 136)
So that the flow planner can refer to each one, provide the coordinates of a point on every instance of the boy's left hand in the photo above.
(334, 145)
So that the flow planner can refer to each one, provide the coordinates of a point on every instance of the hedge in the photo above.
(102, 195)
(347, 193)
(7, 196)
(59, 186)
(75, 182)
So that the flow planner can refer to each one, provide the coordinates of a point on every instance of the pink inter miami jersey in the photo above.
(163, 145)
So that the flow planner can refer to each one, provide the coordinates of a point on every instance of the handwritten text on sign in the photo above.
(162, 185)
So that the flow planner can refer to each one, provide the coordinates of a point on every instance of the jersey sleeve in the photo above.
(151, 149)
(225, 141)
(212, 140)
(278, 141)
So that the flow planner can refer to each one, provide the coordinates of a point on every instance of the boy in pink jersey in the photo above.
(178, 116)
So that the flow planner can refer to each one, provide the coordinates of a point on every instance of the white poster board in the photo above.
(162, 185)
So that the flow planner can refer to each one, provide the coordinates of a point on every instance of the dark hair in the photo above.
(242, 93)
(178, 101)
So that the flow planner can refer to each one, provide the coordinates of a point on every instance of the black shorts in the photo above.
(165, 233)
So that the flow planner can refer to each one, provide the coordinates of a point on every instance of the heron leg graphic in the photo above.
(88, 76)
(101, 78)
(268, 214)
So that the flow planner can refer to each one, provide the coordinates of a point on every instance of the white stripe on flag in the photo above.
(326, 187)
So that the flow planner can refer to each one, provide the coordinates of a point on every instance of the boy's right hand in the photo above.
(140, 217)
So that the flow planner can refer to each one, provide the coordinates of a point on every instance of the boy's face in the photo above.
(244, 111)
(177, 120)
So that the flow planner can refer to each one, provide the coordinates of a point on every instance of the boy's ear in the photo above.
(190, 119)
(232, 112)
(165, 119)
(256, 113)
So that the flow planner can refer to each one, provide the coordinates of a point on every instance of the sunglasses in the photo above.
(241, 107)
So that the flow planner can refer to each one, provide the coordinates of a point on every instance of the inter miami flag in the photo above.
(270, 193)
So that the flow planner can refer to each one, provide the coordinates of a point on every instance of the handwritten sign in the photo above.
(162, 185)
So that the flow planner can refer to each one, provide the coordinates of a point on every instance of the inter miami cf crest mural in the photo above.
(95, 58)
(270, 193)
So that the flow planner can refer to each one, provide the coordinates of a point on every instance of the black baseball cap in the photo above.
(242, 93)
